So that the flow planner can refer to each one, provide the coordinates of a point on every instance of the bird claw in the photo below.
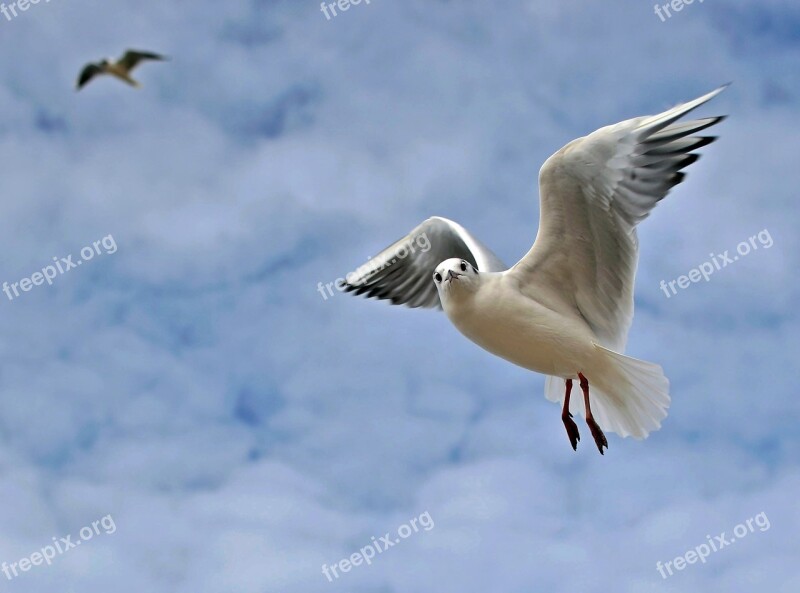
(572, 430)
(599, 438)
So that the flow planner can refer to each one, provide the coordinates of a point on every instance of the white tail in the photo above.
(629, 397)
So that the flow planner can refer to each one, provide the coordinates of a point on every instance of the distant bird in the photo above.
(565, 308)
(121, 68)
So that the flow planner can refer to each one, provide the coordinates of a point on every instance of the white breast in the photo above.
(502, 320)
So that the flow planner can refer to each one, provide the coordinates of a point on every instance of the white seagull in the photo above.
(120, 68)
(565, 308)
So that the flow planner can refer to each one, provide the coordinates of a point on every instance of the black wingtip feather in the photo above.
(688, 160)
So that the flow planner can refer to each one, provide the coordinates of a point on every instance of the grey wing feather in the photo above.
(593, 193)
(88, 73)
(133, 57)
(403, 272)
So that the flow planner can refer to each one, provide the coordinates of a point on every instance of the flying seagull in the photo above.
(565, 308)
(121, 68)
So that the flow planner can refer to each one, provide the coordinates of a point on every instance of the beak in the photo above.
(451, 274)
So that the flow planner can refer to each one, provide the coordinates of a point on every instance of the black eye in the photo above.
(437, 276)
(463, 266)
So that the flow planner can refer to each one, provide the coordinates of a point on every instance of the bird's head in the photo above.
(455, 277)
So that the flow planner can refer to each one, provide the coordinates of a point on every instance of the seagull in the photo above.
(120, 68)
(565, 308)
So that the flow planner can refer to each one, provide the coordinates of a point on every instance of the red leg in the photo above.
(569, 423)
(599, 438)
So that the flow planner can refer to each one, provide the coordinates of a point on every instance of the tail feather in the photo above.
(629, 397)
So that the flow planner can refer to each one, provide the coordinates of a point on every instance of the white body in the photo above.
(509, 324)
(550, 336)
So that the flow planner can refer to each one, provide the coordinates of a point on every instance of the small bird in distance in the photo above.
(120, 68)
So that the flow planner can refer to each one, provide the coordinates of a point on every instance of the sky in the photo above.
(188, 390)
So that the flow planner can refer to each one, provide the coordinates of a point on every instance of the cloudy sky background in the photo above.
(242, 430)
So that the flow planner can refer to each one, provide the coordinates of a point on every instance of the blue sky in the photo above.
(243, 431)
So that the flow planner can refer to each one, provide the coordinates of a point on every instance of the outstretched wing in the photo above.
(403, 272)
(593, 193)
(88, 73)
(133, 57)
